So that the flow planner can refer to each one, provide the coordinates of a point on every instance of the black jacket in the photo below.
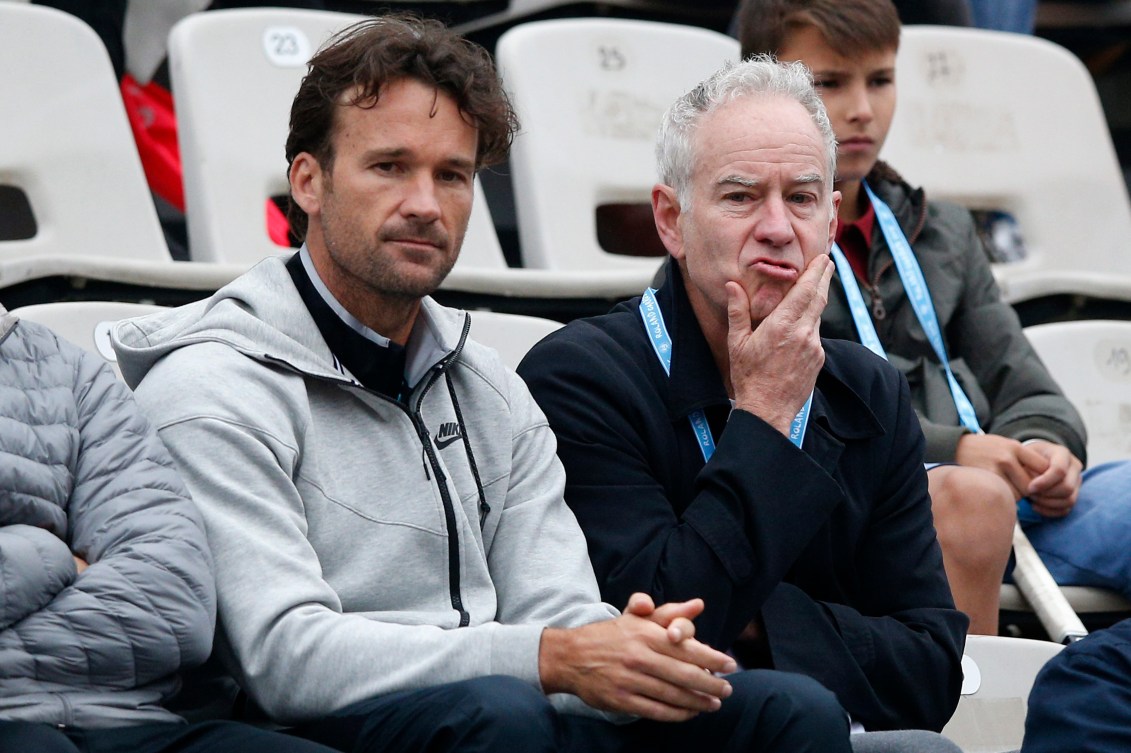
(834, 547)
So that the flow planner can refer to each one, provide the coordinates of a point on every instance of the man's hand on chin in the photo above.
(773, 368)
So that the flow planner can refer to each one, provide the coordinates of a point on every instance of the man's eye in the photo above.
(385, 167)
(454, 176)
(826, 84)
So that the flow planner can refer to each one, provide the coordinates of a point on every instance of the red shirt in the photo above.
(855, 240)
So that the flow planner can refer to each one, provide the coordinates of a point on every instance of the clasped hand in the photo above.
(646, 662)
(1048, 474)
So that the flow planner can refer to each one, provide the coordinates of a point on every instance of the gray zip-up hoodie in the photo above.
(362, 546)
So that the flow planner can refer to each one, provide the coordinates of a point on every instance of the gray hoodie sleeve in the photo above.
(35, 565)
(144, 608)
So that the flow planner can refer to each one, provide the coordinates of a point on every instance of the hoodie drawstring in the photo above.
(484, 508)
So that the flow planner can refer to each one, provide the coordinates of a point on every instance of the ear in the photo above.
(307, 180)
(666, 212)
(834, 221)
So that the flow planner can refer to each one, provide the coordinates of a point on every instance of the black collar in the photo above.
(379, 368)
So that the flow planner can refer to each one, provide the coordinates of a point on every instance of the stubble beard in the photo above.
(377, 270)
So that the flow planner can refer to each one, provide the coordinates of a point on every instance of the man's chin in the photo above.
(763, 304)
(417, 283)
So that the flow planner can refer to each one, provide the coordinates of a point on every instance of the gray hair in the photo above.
(757, 75)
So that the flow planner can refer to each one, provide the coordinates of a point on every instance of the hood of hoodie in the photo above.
(261, 315)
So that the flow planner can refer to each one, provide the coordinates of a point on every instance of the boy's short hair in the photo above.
(849, 26)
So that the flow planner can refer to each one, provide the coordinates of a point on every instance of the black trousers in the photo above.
(768, 711)
(205, 737)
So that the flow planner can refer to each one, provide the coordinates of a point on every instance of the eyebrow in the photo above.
(738, 180)
(889, 71)
(458, 163)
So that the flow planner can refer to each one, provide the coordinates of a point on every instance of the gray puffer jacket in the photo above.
(82, 472)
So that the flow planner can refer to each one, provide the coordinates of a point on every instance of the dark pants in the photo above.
(1081, 701)
(768, 711)
(206, 737)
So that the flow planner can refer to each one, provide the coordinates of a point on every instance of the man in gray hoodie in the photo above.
(396, 567)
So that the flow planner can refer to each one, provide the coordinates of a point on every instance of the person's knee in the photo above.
(974, 512)
(506, 709)
(787, 696)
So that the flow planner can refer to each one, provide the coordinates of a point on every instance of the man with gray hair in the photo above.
(716, 446)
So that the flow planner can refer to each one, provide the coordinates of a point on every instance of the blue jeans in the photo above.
(1091, 546)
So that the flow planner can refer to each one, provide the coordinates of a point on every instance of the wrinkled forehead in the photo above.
(759, 129)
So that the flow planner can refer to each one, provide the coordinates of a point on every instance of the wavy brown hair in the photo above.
(353, 67)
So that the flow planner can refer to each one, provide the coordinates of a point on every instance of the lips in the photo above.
(856, 144)
(775, 270)
(428, 236)
(416, 242)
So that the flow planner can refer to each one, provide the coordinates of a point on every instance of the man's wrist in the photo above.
(552, 650)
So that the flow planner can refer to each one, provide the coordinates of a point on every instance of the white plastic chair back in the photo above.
(512, 335)
(66, 143)
(998, 675)
(85, 323)
(1091, 360)
(590, 94)
(234, 75)
(995, 120)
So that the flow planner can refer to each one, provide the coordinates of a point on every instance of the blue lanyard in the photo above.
(916, 288)
(662, 345)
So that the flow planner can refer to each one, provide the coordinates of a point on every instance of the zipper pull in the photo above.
(424, 462)
(879, 313)
(484, 511)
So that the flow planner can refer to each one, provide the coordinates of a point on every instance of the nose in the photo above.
(774, 226)
(860, 105)
(420, 201)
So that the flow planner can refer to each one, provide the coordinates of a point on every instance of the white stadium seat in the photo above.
(512, 335)
(1091, 361)
(85, 323)
(998, 674)
(590, 94)
(66, 144)
(1002, 121)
